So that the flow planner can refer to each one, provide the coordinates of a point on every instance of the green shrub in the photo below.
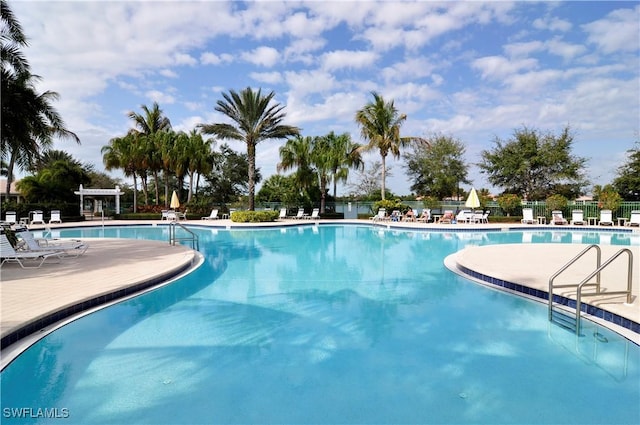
(609, 200)
(509, 203)
(390, 205)
(254, 216)
(556, 202)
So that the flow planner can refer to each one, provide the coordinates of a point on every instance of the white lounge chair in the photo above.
(37, 217)
(10, 217)
(165, 215)
(315, 214)
(464, 216)
(527, 216)
(9, 255)
(213, 215)
(55, 217)
(72, 248)
(606, 218)
(557, 218)
(577, 217)
(635, 219)
(381, 216)
(300, 214)
(181, 215)
(283, 213)
(395, 215)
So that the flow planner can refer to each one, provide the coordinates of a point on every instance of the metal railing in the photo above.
(193, 238)
(579, 295)
(586, 281)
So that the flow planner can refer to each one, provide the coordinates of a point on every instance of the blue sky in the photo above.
(471, 70)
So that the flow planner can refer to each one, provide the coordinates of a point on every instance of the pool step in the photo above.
(564, 319)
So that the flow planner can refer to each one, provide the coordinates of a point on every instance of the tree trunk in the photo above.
(251, 153)
(384, 175)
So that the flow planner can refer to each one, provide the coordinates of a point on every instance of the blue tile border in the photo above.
(36, 326)
(544, 295)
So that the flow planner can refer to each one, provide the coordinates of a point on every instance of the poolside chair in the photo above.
(577, 217)
(315, 214)
(300, 214)
(9, 255)
(37, 217)
(10, 217)
(425, 216)
(165, 215)
(72, 248)
(527, 216)
(181, 215)
(381, 216)
(557, 218)
(634, 220)
(480, 217)
(395, 215)
(447, 217)
(213, 215)
(283, 213)
(606, 218)
(55, 217)
(464, 216)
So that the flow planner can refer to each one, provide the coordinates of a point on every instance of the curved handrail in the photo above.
(195, 241)
(597, 272)
(567, 265)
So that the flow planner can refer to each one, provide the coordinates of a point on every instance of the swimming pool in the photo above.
(326, 324)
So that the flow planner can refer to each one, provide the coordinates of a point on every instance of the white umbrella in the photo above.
(175, 202)
(473, 201)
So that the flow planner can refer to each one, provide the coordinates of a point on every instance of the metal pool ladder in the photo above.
(561, 317)
(193, 238)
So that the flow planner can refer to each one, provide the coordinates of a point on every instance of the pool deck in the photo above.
(33, 301)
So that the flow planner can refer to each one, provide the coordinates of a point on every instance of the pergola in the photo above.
(99, 192)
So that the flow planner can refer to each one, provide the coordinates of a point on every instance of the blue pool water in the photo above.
(326, 324)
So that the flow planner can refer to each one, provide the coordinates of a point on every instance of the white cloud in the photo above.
(499, 67)
(209, 58)
(618, 31)
(168, 73)
(160, 97)
(340, 59)
(552, 24)
(267, 77)
(263, 56)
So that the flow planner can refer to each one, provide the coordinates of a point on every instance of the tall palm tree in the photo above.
(29, 121)
(255, 119)
(197, 153)
(296, 153)
(12, 40)
(147, 126)
(380, 124)
(345, 154)
(120, 154)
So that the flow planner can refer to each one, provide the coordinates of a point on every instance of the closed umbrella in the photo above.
(175, 202)
(473, 201)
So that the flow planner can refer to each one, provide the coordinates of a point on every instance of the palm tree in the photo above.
(147, 126)
(345, 154)
(197, 153)
(254, 120)
(29, 122)
(380, 124)
(296, 153)
(12, 40)
(120, 154)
